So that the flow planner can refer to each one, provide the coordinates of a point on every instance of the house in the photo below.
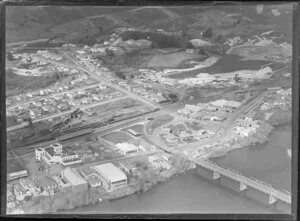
(186, 134)
(166, 130)
(10, 201)
(20, 192)
(62, 186)
(171, 138)
(128, 168)
(29, 185)
(46, 183)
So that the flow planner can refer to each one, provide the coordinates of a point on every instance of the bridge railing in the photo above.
(265, 187)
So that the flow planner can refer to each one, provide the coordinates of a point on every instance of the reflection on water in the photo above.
(268, 162)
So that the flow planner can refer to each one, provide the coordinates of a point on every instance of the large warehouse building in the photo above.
(112, 177)
(79, 184)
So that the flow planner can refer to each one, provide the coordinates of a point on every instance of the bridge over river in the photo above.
(236, 181)
(245, 182)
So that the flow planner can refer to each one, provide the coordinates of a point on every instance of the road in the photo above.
(82, 107)
(53, 94)
(129, 94)
(128, 157)
(222, 135)
(98, 131)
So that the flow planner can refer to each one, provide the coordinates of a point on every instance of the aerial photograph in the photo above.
(149, 109)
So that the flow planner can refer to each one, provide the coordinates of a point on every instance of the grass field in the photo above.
(170, 60)
(193, 125)
(113, 106)
(159, 121)
(117, 137)
(138, 128)
(15, 84)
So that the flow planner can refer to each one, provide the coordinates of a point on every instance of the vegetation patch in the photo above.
(117, 137)
(158, 122)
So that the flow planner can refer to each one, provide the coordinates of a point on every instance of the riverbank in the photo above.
(189, 193)
(136, 184)
(261, 136)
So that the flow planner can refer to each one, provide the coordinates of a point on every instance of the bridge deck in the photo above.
(251, 182)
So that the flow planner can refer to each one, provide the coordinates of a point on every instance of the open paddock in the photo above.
(117, 137)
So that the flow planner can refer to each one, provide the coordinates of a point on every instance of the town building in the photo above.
(30, 186)
(46, 183)
(112, 177)
(20, 192)
(91, 176)
(70, 175)
(55, 153)
(194, 107)
(128, 168)
(127, 148)
(62, 186)
(171, 138)
(159, 162)
(133, 132)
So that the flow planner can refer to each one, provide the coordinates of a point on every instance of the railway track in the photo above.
(100, 124)
(30, 149)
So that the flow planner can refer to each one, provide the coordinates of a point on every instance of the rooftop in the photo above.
(219, 103)
(93, 179)
(126, 146)
(73, 176)
(110, 171)
(18, 187)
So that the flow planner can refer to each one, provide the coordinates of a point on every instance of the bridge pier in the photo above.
(272, 199)
(216, 178)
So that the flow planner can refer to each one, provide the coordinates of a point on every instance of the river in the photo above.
(188, 193)
(228, 63)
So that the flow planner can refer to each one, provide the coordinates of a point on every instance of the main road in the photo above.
(223, 132)
(132, 95)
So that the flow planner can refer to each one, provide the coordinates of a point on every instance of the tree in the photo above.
(208, 33)
(121, 75)
(10, 57)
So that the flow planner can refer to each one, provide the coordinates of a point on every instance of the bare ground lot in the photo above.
(270, 53)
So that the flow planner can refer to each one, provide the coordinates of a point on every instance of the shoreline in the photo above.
(224, 152)
(69, 201)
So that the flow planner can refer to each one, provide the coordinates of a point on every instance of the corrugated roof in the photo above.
(110, 172)
(73, 176)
